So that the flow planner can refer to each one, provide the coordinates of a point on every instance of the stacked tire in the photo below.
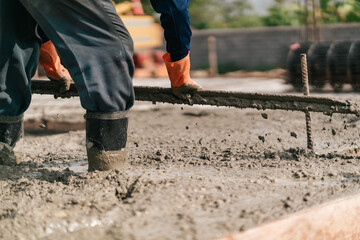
(317, 55)
(336, 63)
(354, 65)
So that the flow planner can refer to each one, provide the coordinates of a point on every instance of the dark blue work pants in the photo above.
(92, 42)
(176, 23)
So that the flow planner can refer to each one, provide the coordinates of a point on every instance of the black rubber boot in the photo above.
(106, 136)
(10, 133)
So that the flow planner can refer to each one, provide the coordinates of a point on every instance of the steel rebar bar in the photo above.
(306, 91)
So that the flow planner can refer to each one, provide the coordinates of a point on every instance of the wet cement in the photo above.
(196, 173)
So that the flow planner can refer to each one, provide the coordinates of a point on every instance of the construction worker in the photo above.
(176, 23)
(177, 33)
(97, 50)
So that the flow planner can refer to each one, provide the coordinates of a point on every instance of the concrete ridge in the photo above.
(332, 221)
(241, 100)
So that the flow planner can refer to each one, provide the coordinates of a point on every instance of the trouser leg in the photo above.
(176, 23)
(19, 53)
(94, 46)
(10, 133)
(97, 50)
(10, 129)
(106, 137)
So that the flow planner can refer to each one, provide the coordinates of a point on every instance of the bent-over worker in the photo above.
(97, 50)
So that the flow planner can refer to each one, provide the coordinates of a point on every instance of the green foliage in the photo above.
(146, 5)
(282, 15)
(335, 11)
(222, 14)
(329, 11)
(349, 11)
(206, 14)
(201, 13)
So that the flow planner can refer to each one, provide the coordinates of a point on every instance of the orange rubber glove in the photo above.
(179, 74)
(50, 61)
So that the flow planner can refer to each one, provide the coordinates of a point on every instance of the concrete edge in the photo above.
(332, 221)
(48, 125)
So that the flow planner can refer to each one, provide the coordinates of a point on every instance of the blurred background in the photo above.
(236, 38)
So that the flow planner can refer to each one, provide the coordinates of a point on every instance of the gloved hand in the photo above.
(50, 61)
(179, 74)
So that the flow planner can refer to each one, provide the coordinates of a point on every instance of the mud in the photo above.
(196, 173)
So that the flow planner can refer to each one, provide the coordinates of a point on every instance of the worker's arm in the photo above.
(53, 68)
(50, 61)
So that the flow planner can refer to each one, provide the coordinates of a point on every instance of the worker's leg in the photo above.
(94, 46)
(97, 50)
(176, 23)
(19, 53)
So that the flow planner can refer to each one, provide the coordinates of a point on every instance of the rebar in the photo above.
(306, 91)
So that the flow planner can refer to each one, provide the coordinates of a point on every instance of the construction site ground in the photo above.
(196, 172)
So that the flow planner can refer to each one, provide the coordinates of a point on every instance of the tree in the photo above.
(205, 14)
(146, 5)
(335, 11)
(349, 11)
(282, 13)
(202, 13)
(222, 14)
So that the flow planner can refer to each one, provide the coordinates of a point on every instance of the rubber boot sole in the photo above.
(183, 91)
(8, 156)
(106, 160)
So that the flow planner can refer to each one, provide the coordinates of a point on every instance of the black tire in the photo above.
(317, 56)
(354, 65)
(337, 56)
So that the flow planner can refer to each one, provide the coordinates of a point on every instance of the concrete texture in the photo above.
(197, 173)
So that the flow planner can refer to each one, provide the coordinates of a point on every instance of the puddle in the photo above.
(78, 166)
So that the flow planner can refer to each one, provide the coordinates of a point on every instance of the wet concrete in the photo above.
(196, 173)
